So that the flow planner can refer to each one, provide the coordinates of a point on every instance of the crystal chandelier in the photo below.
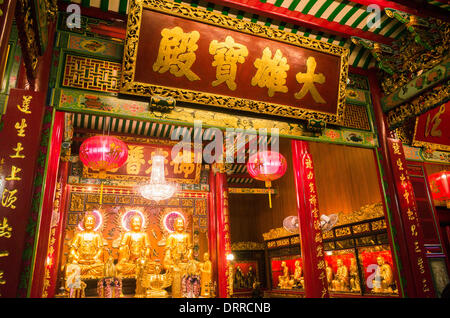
(158, 189)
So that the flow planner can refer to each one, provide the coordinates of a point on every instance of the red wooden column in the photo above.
(212, 224)
(58, 223)
(308, 214)
(40, 262)
(414, 235)
(223, 232)
(404, 263)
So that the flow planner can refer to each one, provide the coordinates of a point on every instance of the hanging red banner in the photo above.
(20, 138)
(410, 219)
(197, 56)
(432, 128)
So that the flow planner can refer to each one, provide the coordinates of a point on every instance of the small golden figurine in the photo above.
(206, 276)
(134, 245)
(384, 278)
(152, 282)
(298, 278)
(284, 281)
(86, 249)
(341, 279)
(354, 276)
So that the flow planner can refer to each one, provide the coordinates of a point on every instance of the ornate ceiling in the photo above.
(332, 21)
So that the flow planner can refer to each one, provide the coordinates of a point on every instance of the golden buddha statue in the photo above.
(134, 245)
(178, 255)
(86, 249)
(384, 277)
(285, 281)
(298, 278)
(354, 276)
(178, 245)
(206, 276)
(341, 279)
(330, 274)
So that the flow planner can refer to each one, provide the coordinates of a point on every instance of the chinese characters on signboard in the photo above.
(432, 128)
(138, 166)
(220, 61)
(409, 213)
(20, 141)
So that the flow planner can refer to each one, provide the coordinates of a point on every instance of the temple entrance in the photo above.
(355, 246)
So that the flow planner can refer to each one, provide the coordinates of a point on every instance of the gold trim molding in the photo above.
(247, 246)
(366, 212)
(130, 86)
(277, 233)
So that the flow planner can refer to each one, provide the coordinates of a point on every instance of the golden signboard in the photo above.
(197, 56)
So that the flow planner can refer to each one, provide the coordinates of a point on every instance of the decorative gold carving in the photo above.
(413, 55)
(343, 231)
(378, 225)
(129, 86)
(367, 212)
(327, 235)
(276, 233)
(360, 228)
(424, 102)
(247, 246)
(29, 40)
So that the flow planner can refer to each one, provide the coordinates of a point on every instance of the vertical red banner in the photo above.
(413, 230)
(223, 234)
(309, 219)
(57, 232)
(212, 224)
(44, 260)
(20, 138)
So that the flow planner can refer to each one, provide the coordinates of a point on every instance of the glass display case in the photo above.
(357, 257)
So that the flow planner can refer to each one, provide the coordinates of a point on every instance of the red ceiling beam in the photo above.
(305, 20)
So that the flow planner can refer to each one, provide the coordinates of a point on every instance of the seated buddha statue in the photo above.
(384, 278)
(178, 245)
(86, 249)
(341, 279)
(285, 281)
(354, 276)
(298, 278)
(178, 254)
(134, 245)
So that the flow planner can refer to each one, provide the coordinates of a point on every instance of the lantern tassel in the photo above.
(268, 185)
(270, 198)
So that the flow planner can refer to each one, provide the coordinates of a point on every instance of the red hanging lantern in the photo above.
(440, 186)
(103, 153)
(267, 166)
